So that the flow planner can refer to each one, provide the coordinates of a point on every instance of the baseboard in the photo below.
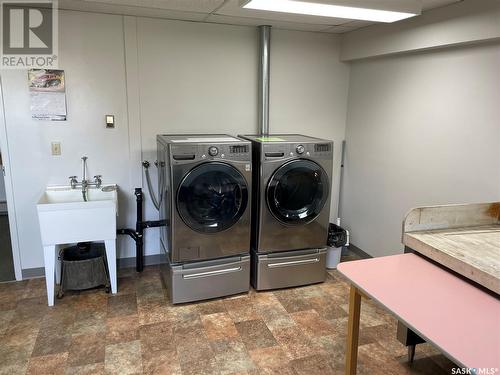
(149, 260)
(30, 273)
(356, 250)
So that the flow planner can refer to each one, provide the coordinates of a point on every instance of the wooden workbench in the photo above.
(462, 238)
(422, 290)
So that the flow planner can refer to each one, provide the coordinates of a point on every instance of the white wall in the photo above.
(193, 78)
(92, 58)
(198, 77)
(309, 87)
(422, 129)
(464, 22)
(160, 76)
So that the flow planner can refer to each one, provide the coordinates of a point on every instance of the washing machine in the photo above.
(292, 178)
(205, 200)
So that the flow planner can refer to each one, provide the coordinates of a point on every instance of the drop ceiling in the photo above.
(227, 12)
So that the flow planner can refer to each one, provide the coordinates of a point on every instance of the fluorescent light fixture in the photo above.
(328, 10)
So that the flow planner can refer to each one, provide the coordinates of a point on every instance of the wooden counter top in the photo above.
(463, 238)
(473, 252)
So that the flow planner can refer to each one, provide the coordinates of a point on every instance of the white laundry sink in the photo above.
(65, 194)
(65, 218)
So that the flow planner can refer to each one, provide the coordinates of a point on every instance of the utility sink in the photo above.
(66, 218)
(65, 194)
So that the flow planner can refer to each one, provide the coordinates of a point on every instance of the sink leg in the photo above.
(58, 267)
(49, 254)
(111, 258)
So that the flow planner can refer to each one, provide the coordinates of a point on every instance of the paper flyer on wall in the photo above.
(47, 94)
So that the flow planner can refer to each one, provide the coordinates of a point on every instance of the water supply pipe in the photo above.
(146, 166)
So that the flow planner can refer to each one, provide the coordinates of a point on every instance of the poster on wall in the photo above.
(47, 94)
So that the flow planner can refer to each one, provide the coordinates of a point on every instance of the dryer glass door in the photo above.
(212, 197)
(297, 192)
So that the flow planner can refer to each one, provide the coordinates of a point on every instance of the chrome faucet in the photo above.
(84, 172)
(85, 183)
(73, 182)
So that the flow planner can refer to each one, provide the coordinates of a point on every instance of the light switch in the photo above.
(110, 121)
(56, 148)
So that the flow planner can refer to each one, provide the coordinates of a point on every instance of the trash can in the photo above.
(83, 267)
(337, 238)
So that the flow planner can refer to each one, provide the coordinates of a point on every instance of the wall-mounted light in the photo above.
(363, 10)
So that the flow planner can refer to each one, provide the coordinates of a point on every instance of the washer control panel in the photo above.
(207, 151)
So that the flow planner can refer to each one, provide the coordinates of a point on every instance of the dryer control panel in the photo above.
(289, 150)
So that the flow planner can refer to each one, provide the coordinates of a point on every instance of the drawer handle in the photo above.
(293, 263)
(211, 273)
(183, 157)
(275, 154)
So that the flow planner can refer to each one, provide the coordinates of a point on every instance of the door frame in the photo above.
(9, 189)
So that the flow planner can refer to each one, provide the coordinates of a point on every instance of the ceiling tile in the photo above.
(338, 29)
(348, 26)
(113, 2)
(431, 4)
(198, 6)
(227, 12)
(194, 6)
(233, 8)
(359, 24)
(216, 18)
(132, 10)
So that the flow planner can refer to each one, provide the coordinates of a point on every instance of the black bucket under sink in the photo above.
(83, 266)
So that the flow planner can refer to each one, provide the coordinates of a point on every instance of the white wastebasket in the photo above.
(333, 257)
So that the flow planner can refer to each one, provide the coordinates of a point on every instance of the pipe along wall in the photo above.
(137, 234)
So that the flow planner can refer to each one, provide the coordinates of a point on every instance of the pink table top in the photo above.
(460, 319)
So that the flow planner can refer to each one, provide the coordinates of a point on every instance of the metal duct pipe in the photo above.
(264, 58)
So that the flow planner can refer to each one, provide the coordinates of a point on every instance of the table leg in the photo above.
(411, 353)
(49, 256)
(111, 259)
(353, 331)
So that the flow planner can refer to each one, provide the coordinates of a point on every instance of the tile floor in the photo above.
(292, 331)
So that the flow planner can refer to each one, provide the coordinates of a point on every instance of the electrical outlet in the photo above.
(56, 148)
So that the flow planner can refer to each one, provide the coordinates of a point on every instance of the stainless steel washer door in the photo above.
(297, 192)
(212, 197)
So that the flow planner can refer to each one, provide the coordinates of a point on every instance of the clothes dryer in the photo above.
(292, 178)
